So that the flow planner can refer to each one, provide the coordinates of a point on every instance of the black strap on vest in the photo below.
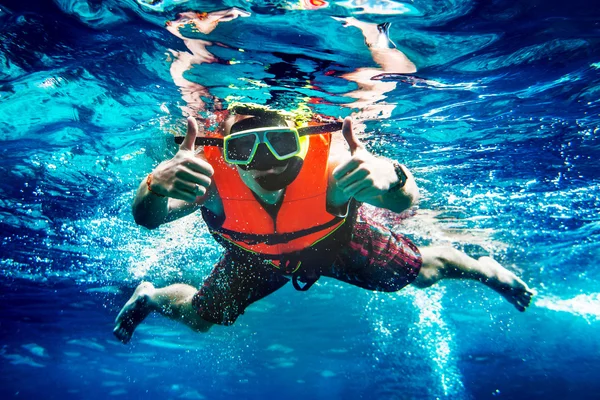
(275, 238)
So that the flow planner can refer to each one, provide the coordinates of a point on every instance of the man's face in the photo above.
(264, 169)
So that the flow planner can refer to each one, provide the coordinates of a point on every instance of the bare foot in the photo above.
(510, 286)
(133, 312)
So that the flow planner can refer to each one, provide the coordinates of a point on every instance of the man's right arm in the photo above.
(151, 211)
(367, 178)
(176, 187)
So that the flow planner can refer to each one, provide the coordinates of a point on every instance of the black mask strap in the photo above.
(307, 130)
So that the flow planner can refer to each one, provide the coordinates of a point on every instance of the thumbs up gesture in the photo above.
(185, 176)
(362, 176)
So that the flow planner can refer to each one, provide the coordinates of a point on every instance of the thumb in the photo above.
(190, 136)
(351, 139)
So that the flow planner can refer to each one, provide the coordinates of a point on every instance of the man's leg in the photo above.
(232, 286)
(442, 262)
(173, 301)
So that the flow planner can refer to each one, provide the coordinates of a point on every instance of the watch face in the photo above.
(400, 174)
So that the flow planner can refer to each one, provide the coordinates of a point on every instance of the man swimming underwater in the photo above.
(286, 208)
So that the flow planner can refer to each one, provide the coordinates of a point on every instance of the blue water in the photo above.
(500, 124)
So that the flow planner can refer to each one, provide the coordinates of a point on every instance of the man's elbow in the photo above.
(142, 220)
(146, 224)
(414, 196)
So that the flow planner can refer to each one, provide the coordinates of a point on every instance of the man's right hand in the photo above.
(185, 176)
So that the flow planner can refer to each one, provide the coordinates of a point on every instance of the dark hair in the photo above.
(262, 118)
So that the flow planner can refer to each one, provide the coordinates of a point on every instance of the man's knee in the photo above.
(435, 261)
(438, 257)
(427, 277)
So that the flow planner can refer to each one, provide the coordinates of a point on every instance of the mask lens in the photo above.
(284, 143)
(240, 148)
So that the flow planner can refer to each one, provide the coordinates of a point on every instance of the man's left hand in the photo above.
(363, 176)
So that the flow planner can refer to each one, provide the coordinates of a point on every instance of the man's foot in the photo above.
(133, 312)
(510, 286)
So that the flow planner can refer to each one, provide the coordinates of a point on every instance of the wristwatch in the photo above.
(401, 176)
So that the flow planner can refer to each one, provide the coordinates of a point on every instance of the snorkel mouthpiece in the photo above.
(277, 181)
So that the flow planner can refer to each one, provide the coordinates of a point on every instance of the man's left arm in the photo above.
(369, 179)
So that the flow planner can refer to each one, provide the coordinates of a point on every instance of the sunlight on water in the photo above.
(430, 332)
(127, 252)
(159, 251)
(583, 305)
(438, 338)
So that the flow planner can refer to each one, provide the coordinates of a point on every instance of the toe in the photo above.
(122, 335)
(525, 298)
(524, 302)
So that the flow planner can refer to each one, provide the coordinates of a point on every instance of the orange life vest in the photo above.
(301, 222)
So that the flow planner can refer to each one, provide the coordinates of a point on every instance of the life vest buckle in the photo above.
(308, 282)
(291, 266)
